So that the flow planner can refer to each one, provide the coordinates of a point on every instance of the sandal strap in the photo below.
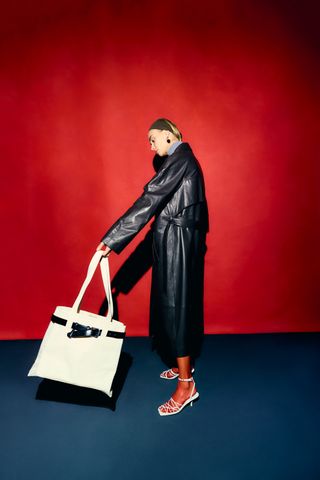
(174, 403)
(169, 374)
(185, 379)
(170, 406)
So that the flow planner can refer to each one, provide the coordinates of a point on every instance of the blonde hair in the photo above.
(174, 129)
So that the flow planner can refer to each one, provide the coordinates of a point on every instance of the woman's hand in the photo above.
(105, 248)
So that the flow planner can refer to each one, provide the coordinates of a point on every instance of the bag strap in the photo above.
(105, 273)
(97, 258)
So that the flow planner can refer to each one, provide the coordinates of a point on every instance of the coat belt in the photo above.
(180, 222)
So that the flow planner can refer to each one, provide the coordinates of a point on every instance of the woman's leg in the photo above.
(184, 389)
(175, 370)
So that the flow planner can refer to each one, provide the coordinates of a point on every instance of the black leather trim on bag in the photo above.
(113, 334)
(85, 331)
(58, 320)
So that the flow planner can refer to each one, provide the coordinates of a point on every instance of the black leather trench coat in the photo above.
(176, 197)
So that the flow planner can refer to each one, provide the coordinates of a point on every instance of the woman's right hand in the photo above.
(104, 248)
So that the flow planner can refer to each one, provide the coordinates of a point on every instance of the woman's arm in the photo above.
(155, 196)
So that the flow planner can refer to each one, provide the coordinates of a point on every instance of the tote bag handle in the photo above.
(97, 258)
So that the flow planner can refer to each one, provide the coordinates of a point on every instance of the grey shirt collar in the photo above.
(173, 147)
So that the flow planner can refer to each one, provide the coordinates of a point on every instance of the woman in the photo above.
(176, 197)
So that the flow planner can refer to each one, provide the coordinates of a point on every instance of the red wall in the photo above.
(80, 83)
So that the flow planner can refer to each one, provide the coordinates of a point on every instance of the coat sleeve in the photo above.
(155, 196)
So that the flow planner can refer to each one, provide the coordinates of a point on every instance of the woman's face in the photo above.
(158, 141)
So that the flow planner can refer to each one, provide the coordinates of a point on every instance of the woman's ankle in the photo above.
(185, 385)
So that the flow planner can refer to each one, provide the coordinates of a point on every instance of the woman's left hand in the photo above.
(105, 248)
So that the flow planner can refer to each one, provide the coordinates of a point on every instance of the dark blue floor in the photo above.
(258, 416)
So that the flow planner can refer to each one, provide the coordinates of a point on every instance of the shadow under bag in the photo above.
(79, 347)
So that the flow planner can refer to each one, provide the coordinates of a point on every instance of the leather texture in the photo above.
(176, 197)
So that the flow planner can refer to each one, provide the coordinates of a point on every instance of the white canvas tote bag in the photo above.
(79, 347)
